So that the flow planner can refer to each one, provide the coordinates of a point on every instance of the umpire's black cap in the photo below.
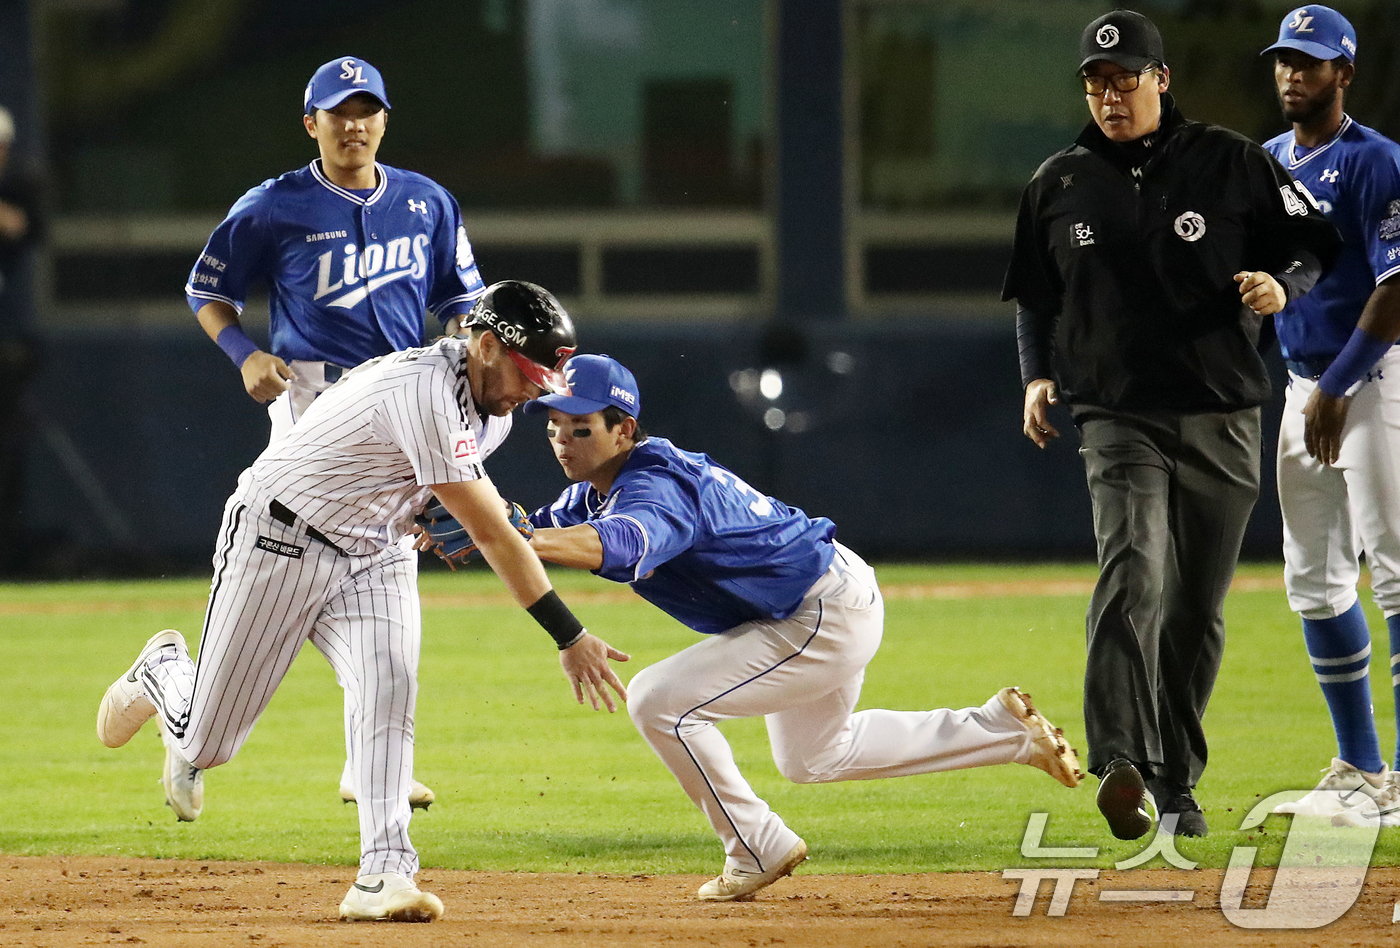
(537, 332)
(1123, 38)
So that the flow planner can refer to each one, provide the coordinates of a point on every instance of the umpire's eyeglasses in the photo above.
(1120, 81)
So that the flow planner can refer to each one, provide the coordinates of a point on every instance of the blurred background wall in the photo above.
(789, 217)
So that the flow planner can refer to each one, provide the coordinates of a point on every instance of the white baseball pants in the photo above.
(274, 588)
(1333, 514)
(804, 675)
(309, 381)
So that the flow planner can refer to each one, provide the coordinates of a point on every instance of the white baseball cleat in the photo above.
(389, 897)
(737, 885)
(1342, 787)
(1049, 749)
(1381, 811)
(183, 782)
(126, 706)
(420, 796)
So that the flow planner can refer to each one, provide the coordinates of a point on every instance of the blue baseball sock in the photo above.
(1340, 650)
(1393, 623)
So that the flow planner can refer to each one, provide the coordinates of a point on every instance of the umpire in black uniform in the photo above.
(1147, 256)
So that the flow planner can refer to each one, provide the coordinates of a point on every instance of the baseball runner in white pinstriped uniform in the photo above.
(308, 550)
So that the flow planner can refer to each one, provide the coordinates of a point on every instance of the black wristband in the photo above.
(556, 619)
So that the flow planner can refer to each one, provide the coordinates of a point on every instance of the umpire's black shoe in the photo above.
(1122, 800)
(1177, 801)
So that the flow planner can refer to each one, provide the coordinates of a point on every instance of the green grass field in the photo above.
(527, 780)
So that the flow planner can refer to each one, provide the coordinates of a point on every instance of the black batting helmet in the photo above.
(538, 334)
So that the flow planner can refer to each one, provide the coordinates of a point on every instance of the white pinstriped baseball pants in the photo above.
(361, 612)
(307, 385)
(803, 674)
(1332, 514)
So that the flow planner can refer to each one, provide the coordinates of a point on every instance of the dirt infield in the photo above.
(108, 901)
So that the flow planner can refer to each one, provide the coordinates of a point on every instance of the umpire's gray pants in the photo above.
(1172, 493)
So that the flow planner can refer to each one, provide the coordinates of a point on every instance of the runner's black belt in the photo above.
(279, 511)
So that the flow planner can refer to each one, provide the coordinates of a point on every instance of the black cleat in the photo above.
(1122, 800)
(1179, 803)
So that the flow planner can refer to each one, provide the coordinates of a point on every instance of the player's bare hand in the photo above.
(586, 666)
(14, 222)
(265, 375)
(1324, 417)
(1261, 292)
(1035, 420)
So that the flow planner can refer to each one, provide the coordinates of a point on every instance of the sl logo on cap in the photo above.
(348, 70)
(1107, 35)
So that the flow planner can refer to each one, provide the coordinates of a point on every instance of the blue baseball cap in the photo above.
(1321, 32)
(595, 382)
(341, 78)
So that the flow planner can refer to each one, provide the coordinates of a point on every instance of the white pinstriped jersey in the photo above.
(358, 464)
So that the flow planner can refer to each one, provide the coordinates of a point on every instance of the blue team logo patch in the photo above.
(1390, 227)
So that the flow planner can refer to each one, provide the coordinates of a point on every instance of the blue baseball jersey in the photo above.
(696, 541)
(350, 276)
(1355, 179)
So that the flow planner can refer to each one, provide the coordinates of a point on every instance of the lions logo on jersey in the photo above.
(377, 265)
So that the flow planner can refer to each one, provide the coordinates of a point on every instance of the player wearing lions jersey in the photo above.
(791, 618)
(1337, 478)
(353, 253)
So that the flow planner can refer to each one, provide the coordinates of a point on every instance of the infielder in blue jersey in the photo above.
(791, 618)
(1339, 445)
(352, 252)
